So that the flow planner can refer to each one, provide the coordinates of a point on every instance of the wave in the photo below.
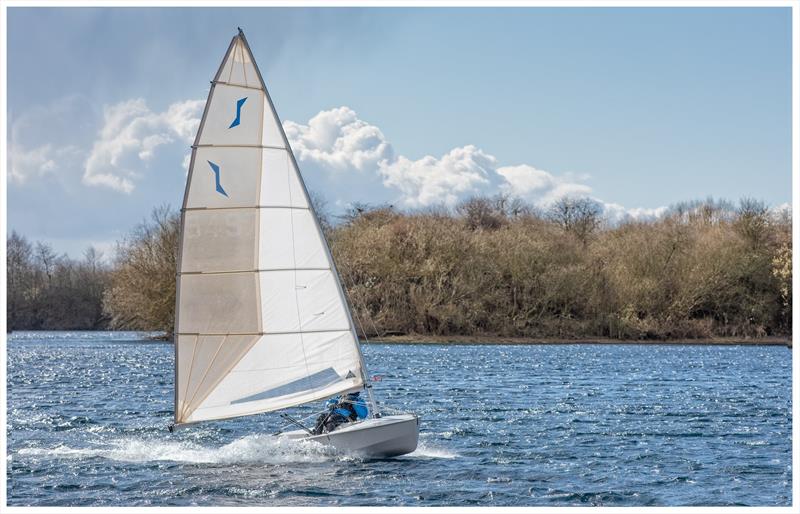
(427, 450)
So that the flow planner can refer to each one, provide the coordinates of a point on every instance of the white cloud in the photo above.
(544, 189)
(616, 213)
(336, 141)
(184, 118)
(187, 161)
(130, 136)
(539, 186)
(524, 180)
(782, 210)
(427, 181)
(25, 164)
(643, 213)
(340, 140)
(44, 143)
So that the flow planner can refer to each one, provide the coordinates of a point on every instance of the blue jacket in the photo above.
(358, 404)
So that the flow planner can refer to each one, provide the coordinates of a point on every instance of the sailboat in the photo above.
(262, 322)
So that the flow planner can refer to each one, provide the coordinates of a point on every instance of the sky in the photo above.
(638, 108)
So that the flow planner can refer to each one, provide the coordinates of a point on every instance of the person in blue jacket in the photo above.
(341, 409)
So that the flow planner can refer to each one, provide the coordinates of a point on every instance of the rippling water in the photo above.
(502, 425)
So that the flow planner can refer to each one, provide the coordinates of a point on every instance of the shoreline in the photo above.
(489, 340)
(498, 340)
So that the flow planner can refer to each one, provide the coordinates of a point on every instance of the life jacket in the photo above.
(347, 408)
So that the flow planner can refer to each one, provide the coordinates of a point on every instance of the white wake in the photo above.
(251, 449)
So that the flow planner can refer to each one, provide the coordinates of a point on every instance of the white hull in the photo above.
(388, 436)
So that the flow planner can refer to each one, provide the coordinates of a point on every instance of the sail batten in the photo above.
(248, 271)
(256, 207)
(261, 319)
(221, 82)
(238, 146)
(264, 333)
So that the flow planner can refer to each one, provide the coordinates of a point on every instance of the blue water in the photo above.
(502, 425)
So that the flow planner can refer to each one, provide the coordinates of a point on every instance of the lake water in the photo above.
(501, 425)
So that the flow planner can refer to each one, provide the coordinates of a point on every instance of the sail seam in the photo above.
(288, 332)
(267, 270)
(246, 207)
(235, 85)
(268, 147)
(339, 360)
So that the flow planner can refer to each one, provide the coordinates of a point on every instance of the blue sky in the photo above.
(637, 107)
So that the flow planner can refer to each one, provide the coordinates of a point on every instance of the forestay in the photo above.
(261, 320)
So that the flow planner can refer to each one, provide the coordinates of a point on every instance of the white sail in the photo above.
(261, 319)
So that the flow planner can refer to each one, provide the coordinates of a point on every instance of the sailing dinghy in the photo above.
(261, 321)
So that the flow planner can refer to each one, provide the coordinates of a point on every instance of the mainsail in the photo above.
(261, 320)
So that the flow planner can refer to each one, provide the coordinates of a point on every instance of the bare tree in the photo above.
(483, 213)
(752, 221)
(491, 266)
(51, 292)
(19, 276)
(579, 216)
(141, 295)
(320, 206)
(46, 258)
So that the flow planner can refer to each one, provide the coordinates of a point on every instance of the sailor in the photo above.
(341, 409)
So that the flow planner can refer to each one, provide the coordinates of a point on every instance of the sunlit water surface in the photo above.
(502, 425)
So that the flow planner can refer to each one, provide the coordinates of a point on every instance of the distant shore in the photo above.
(496, 340)
(160, 337)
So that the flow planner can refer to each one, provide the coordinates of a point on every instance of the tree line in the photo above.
(490, 266)
(47, 291)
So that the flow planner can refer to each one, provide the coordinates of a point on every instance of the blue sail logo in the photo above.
(215, 169)
(239, 103)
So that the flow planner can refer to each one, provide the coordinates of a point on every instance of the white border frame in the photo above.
(793, 4)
